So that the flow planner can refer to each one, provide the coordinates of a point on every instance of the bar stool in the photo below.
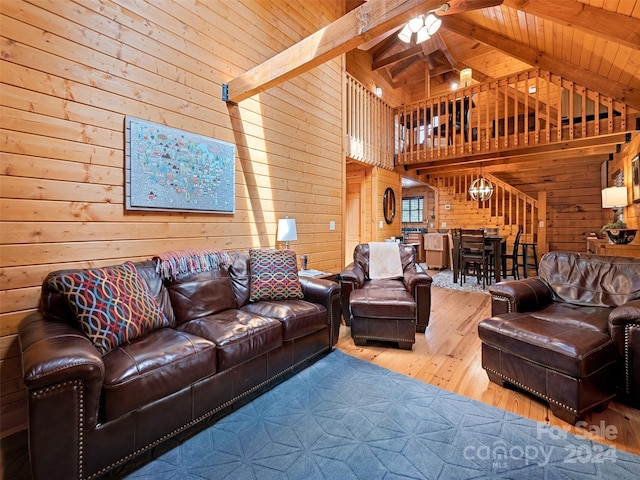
(527, 261)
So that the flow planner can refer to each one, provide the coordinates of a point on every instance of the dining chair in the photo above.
(474, 256)
(513, 257)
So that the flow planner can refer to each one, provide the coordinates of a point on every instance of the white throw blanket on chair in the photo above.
(384, 260)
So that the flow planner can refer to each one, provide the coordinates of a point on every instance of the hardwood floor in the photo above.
(448, 355)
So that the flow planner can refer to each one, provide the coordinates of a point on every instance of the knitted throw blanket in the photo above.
(173, 264)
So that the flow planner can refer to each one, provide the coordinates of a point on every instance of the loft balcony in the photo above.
(528, 113)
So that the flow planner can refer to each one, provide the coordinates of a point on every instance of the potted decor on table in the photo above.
(619, 233)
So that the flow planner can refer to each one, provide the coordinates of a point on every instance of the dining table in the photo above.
(494, 243)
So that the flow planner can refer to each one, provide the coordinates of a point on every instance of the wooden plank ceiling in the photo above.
(593, 43)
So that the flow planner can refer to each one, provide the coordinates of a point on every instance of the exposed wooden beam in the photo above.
(445, 50)
(603, 23)
(391, 59)
(589, 79)
(360, 25)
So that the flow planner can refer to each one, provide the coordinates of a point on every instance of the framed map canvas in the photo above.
(173, 170)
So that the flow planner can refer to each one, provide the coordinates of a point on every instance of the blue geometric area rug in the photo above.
(343, 418)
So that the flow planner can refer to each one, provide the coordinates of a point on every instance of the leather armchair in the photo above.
(415, 281)
(576, 299)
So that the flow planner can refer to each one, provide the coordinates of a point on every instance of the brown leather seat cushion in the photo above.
(577, 352)
(239, 336)
(579, 316)
(380, 303)
(298, 317)
(153, 367)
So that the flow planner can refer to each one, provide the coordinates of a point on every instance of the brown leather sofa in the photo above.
(90, 413)
(392, 309)
(571, 335)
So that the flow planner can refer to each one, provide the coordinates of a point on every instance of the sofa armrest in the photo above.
(326, 293)
(353, 273)
(58, 355)
(351, 278)
(418, 284)
(414, 275)
(525, 295)
(624, 328)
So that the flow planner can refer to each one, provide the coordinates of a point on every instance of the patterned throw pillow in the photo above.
(111, 304)
(274, 275)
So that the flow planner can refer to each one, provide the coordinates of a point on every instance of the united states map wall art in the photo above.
(169, 169)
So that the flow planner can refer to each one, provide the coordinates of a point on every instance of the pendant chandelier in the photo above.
(481, 189)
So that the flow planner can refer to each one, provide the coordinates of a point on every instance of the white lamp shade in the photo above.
(416, 23)
(287, 230)
(405, 34)
(432, 23)
(466, 74)
(422, 35)
(614, 197)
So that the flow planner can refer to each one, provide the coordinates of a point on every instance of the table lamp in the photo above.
(287, 231)
(616, 198)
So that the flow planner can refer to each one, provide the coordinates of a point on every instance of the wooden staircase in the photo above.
(508, 209)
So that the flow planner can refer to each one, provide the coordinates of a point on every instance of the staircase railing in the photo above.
(508, 209)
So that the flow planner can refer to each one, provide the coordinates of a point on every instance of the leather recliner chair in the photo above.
(412, 295)
(571, 335)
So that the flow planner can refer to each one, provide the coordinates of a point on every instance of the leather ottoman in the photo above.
(386, 315)
(573, 369)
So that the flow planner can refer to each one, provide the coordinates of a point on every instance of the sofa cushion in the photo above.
(390, 284)
(153, 367)
(596, 280)
(274, 275)
(111, 304)
(579, 316)
(239, 335)
(201, 294)
(298, 317)
(379, 303)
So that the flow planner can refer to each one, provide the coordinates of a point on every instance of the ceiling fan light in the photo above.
(432, 23)
(422, 35)
(416, 23)
(405, 34)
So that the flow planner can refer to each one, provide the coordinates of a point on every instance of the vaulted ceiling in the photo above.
(593, 43)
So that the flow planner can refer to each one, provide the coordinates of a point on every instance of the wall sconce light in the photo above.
(616, 198)
(287, 231)
(379, 92)
(466, 75)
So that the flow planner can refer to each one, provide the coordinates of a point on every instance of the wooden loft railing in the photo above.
(524, 110)
(369, 126)
(508, 209)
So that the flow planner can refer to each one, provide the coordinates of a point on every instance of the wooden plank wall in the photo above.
(573, 189)
(623, 161)
(72, 70)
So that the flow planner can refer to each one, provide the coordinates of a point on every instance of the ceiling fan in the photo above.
(448, 8)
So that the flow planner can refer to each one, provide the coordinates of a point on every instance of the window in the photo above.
(412, 209)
